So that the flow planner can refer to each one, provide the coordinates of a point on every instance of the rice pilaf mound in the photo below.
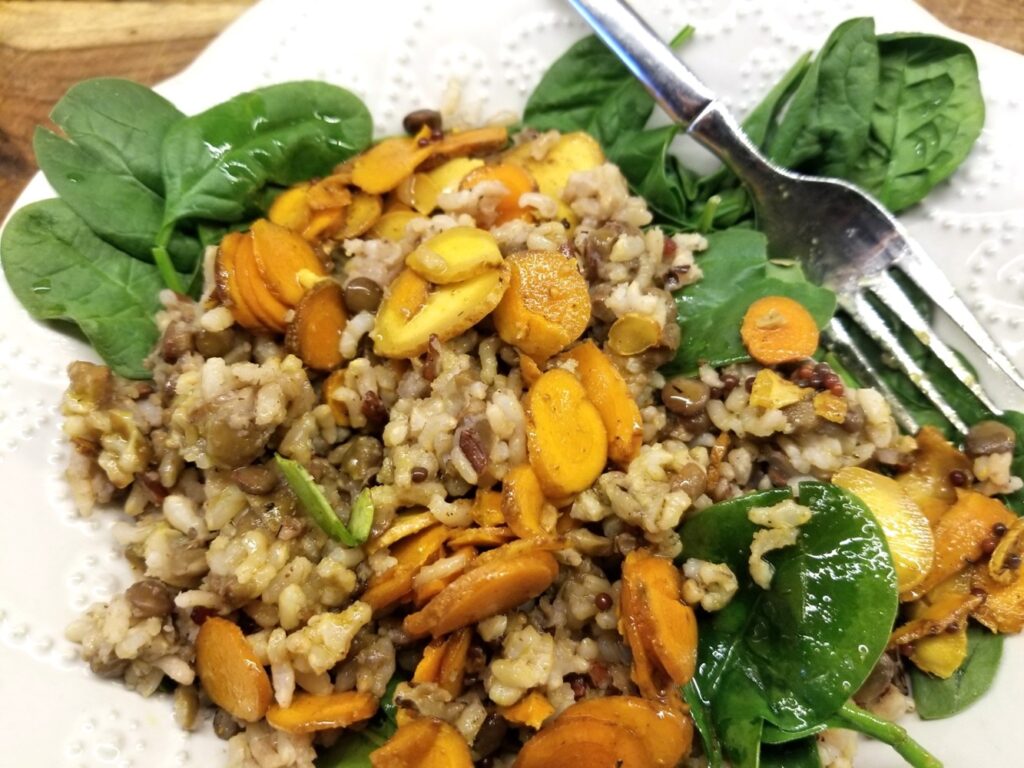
(437, 436)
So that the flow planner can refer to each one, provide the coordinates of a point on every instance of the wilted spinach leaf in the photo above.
(793, 654)
(796, 754)
(736, 273)
(936, 698)
(106, 165)
(60, 270)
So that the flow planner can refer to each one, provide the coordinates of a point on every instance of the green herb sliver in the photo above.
(315, 504)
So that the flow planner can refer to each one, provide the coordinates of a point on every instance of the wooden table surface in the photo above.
(46, 45)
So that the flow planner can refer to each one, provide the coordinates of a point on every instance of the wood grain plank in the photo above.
(998, 21)
(52, 25)
(45, 47)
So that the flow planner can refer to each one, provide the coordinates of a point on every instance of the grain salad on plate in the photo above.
(496, 445)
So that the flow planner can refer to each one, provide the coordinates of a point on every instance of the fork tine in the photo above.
(889, 291)
(942, 293)
(865, 315)
(838, 339)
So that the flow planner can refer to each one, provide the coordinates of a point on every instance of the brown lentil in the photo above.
(256, 480)
(148, 598)
(692, 480)
(418, 474)
(684, 396)
(415, 120)
(362, 295)
(988, 437)
(603, 601)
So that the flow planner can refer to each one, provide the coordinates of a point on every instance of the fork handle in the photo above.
(683, 97)
(672, 84)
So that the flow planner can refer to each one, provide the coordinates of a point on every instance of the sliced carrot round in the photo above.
(314, 334)
(228, 289)
(425, 742)
(264, 304)
(777, 329)
(667, 733)
(280, 255)
(546, 306)
(584, 741)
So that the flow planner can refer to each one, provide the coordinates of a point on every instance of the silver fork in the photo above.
(844, 239)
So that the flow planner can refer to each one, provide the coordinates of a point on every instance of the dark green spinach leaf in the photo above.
(936, 698)
(106, 166)
(60, 270)
(928, 113)
(588, 89)
(216, 164)
(654, 174)
(826, 126)
(793, 654)
(736, 273)
(796, 754)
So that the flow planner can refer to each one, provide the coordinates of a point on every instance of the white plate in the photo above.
(399, 56)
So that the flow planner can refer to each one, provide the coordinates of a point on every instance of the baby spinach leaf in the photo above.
(796, 754)
(793, 654)
(736, 273)
(653, 173)
(928, 112)
(120, 121)
(587, 88)
(106, 165)
(215, 164)
(828, 120)
(761, 124)
(60, 270)
(936, 698)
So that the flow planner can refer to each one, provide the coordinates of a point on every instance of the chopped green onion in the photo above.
(361, 519)
(315, 504)
(707, 216)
